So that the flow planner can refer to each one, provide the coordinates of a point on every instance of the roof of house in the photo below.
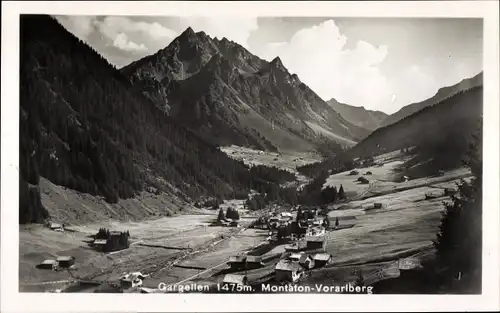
(409, 263)
(315, 239)
(304, 258)
(296, 245)
(100, 241)
(254, 258)
(285, 265)
(55, 225)
(322, 256)
(296, 255)
(234, 279)
(346, 217)
(49, 262)
(237, 259)
(115, 232)
(65, 258)
(133, 275)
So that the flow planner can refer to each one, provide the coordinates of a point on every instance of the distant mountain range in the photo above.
(359, 116)
(221, 91)
(442, 94)
(442, 130)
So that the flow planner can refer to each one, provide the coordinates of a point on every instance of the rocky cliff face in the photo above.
(230, 96)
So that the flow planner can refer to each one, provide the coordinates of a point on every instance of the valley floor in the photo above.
(187, 249)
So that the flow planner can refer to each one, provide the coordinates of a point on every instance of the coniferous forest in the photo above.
(84, 127)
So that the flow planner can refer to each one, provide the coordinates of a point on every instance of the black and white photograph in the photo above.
(252, 154)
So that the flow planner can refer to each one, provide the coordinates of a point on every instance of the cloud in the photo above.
(80, 25)
(112, 26)
(122, 42)
(318, 55)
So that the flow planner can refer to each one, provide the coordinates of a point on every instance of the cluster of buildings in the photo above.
(295, 266)
(61, 262)
(245, 262)
(107, 241)
(306, 233)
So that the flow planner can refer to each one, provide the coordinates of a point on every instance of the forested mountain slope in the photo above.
(442, 94)
(83, 126)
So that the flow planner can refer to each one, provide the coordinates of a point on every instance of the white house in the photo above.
(132, 280)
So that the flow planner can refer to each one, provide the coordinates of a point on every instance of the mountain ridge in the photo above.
(248, 98)
(441, 94)
(369, 119)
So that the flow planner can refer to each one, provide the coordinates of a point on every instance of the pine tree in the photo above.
(336, 221)
(229, 213)
(236, 215)
(459, 241)
(341, 193)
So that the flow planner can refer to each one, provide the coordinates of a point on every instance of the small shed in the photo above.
(377, 205)
(233, 279)
(363, 180)
(66, 261)
(449, 191)
(56, 226)
(409, 267)
(430, 195)
(47, 265)
(322, 259)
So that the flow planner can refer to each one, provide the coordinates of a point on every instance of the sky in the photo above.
(378, 63)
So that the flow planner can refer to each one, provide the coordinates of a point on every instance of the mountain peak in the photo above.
(276, 62)
(201, 34)
(189, 32)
